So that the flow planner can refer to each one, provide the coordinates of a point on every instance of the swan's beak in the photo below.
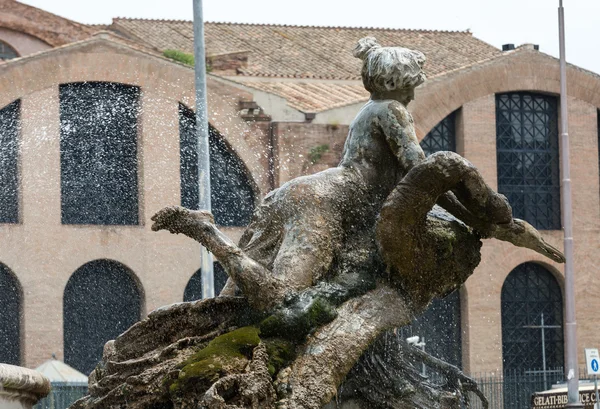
(551, 252)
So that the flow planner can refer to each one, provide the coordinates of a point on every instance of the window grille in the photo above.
(10, 324)
(442, 137)
(193, 289)
(440, 328)
(9, 183)
(232, 196)
(98, 153)
(528, 292)
(527, 157)
(101, 301)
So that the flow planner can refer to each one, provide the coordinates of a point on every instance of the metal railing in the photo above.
(510, 390)
(62, 395)
(513, 388)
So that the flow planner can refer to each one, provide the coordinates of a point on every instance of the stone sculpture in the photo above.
(328, 263)
(21, 387)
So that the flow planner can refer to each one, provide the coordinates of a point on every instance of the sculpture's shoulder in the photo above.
(399, 113)
(388, 111)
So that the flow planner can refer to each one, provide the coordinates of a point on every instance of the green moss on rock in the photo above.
(281, 353)
(227, 353)
(300, 318)
(320, 312)
(273, 325)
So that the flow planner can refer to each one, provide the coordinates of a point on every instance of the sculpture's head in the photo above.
(390, 69)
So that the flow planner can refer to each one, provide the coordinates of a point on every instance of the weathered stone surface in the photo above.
(21, 388)
(167, 360)
(328, 263)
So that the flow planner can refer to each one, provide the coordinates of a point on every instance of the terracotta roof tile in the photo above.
(297, 61)
(48, 27)
(307, 52)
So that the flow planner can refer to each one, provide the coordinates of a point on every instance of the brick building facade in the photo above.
(281, 100)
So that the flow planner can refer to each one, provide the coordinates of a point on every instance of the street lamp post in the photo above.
(208, 288)
(571, 370)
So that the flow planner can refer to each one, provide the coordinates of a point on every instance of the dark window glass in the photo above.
(527, 156)
(101, 301)
(193, 289)
(10, 321)
(442, 137)
(98, 143)
(9, 183)
(7, 52)
(439, 327)
(528, 292)
(232, 196)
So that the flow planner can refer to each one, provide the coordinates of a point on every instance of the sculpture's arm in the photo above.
(400, 134)
(399, 130)
(398, 127)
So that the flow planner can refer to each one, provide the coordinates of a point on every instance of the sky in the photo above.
(494, 21)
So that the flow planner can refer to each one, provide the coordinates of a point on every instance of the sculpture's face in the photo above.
(402, 95)
(406, 95)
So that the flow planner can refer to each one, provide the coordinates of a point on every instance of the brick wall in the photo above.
(482, 335)
(22, 43)
(43, 253)
(304, 148)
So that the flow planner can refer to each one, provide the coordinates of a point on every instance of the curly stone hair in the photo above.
(389, 68)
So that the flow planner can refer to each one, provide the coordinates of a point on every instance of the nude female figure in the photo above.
(383, 182)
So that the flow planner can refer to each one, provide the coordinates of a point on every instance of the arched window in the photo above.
(7, 52)
(442, 137)
(101, 301)
(531, 294)
(193, 289)
(9, 145)
(98, 153)
(439, 328)
(231, 193)
(10, 322)
(527, 157)
(528, 292)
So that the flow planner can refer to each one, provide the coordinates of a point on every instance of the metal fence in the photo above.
(513, 389)
(62, 395)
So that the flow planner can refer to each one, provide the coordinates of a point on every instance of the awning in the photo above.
(58, 371)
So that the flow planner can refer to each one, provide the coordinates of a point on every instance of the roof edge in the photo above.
(98, 37)
(467, 32)
(19, 10)
(509, 54)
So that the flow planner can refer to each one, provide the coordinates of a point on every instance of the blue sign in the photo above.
(595, 365)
